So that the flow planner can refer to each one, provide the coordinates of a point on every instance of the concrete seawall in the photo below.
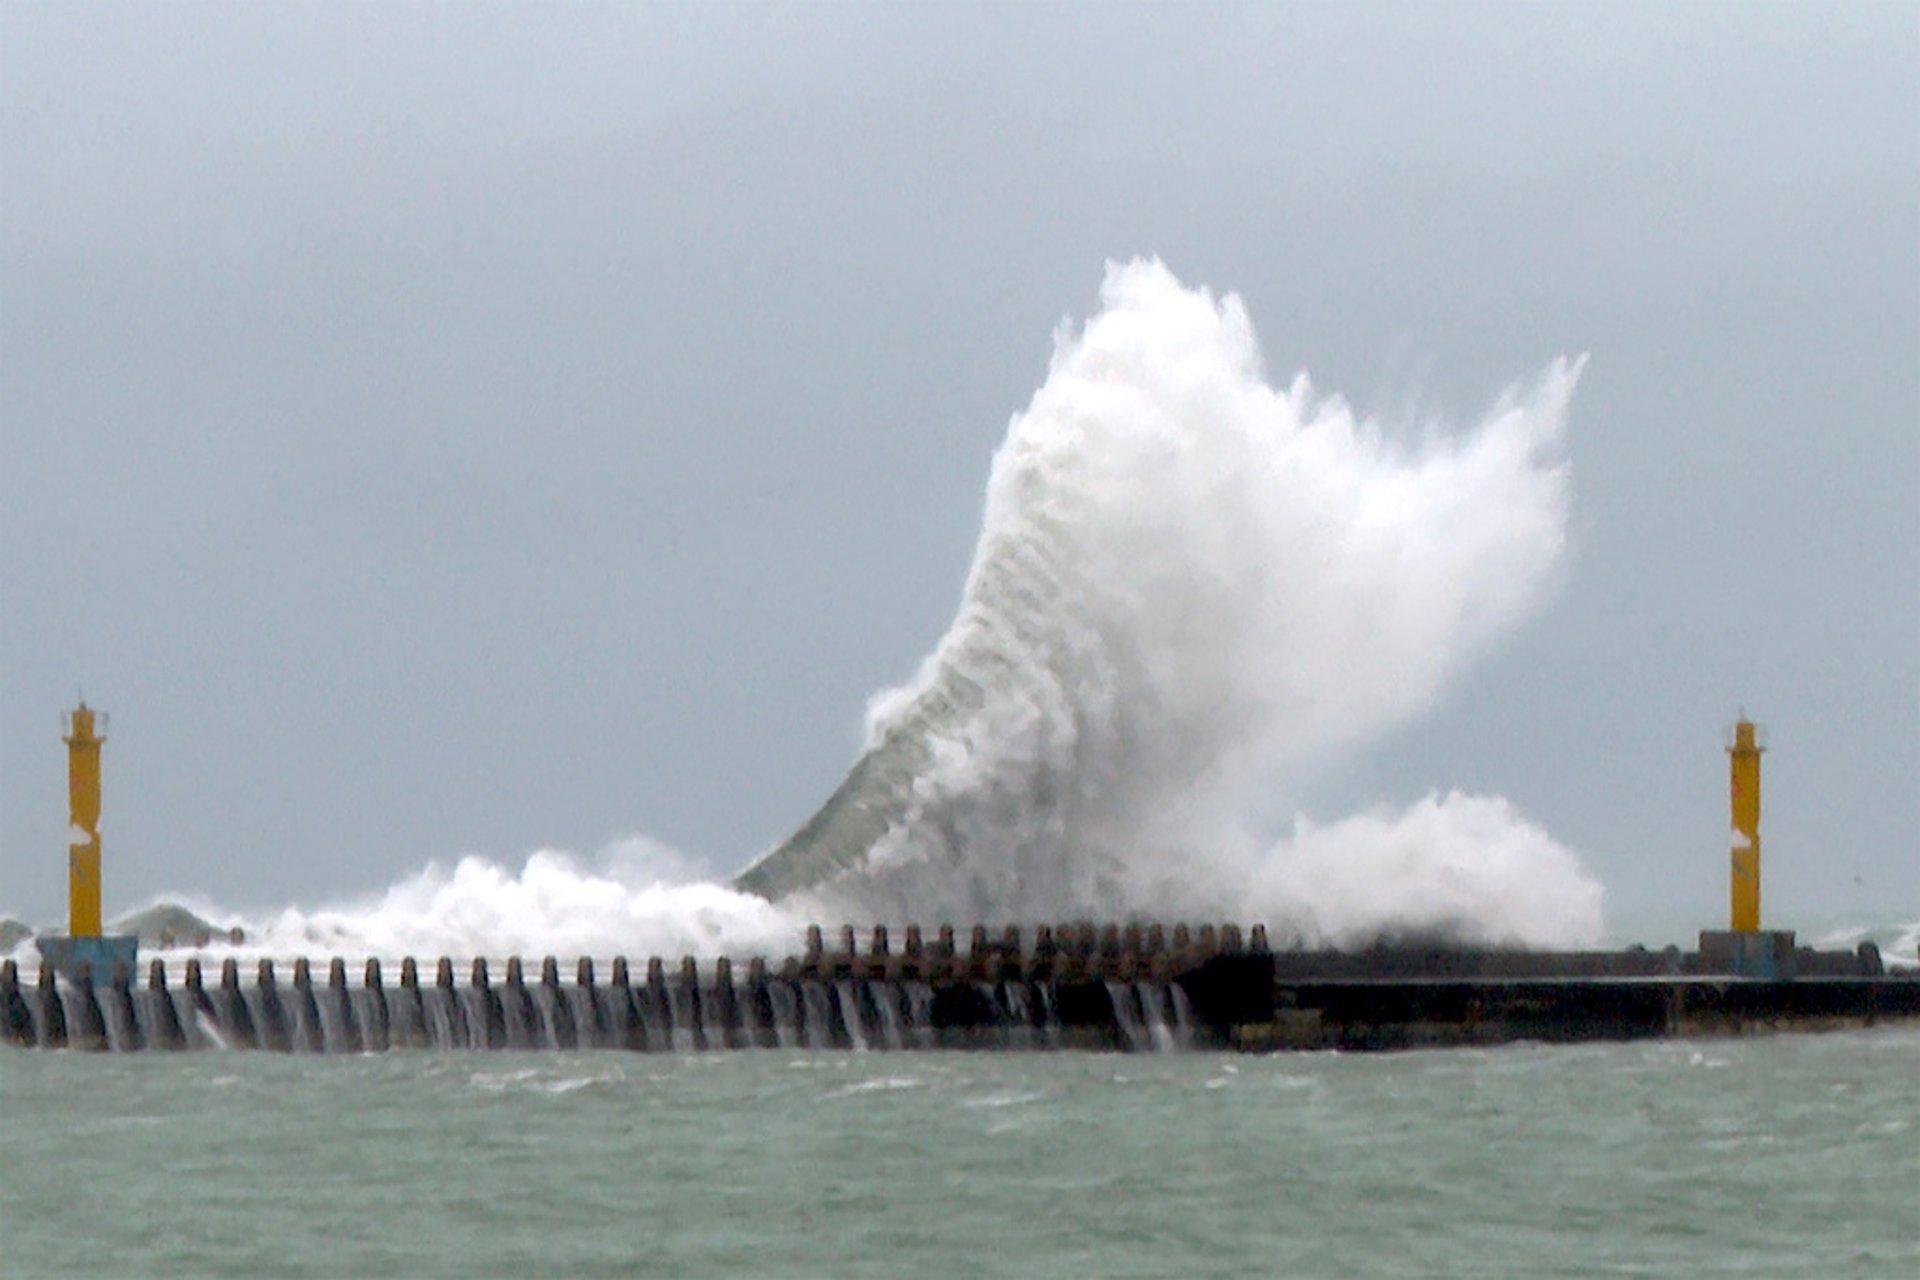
(1070, 986)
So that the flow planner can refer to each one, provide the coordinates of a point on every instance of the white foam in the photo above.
(1189, 586)
(1899, 944)
(636, 898)
(1453, 865)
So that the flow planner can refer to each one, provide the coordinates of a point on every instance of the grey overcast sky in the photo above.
(445, 429)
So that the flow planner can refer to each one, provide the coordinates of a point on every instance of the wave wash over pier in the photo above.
(1109, 654)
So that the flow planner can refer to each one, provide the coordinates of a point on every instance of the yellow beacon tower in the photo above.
(85, 953)
(1744, 949)
(1745, 753)
(83, 831)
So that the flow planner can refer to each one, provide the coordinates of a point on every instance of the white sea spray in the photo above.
(1191, 587)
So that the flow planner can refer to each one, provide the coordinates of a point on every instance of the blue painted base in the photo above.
(99, 955)
(1766, 953)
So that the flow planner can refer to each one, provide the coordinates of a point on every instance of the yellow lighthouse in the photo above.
(83, 828)
(1744, 949)
(85, 953)
(1745, 866)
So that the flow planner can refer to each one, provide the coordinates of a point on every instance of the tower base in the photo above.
(1762, 953)
(97, 955)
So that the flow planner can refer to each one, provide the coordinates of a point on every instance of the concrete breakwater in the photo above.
(1078, 988)
(1131, 988)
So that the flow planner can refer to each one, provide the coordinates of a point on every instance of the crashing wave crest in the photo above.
(1189, 582)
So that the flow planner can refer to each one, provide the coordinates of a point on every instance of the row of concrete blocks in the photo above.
(366, 1021)
(665, 1013)
(1066, 952)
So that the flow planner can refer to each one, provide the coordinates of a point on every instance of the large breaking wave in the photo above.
(1191, 586)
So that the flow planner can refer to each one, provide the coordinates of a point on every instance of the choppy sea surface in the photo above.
(1768, 1156)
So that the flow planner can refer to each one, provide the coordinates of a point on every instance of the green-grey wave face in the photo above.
(1186, 581)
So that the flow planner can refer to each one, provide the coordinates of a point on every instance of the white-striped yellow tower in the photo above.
(83, 829)
(1745, 754)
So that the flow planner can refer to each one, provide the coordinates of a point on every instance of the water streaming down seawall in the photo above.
(1108, 988)
(1072, 987)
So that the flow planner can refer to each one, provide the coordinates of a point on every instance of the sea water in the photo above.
(1783, 1155)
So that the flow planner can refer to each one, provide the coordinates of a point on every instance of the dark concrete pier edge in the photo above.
(1134, 986)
